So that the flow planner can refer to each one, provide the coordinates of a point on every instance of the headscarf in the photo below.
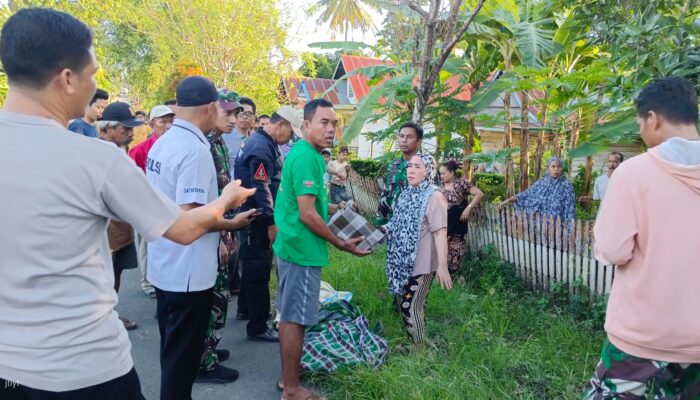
(404, 227)
(549, 196)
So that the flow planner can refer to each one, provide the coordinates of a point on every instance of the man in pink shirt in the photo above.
(648, 226)
(161, 120)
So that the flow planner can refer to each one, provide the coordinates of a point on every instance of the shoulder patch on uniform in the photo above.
(308, 184)
(260, 173)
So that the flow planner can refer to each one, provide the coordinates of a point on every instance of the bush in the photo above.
(493, 186)
(368, 168)
(584, 211)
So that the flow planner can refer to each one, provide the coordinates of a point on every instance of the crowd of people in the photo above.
(216, 196)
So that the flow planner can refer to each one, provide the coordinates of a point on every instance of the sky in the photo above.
(302, 29)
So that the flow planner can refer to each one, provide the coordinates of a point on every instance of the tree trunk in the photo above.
(508, 144)
(524, 142)
(469, 149)
(587, 176)
(575, 130)
(539, 152)
(589, 159)
(427, 71)
(557, 143)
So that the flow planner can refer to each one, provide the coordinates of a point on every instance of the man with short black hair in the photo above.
(409, 139)
(140, 115)
(301, 244)
(259, 166)
(181, 166)
(59, 334)
(86, 125)
(263, 121)
(648, 227)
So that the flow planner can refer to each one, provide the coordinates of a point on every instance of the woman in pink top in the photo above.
(649, 225)
(417, 248)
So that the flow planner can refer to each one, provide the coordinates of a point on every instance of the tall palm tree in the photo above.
(344, 14)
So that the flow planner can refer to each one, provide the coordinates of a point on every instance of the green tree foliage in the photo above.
(318, 65)
(141, 44)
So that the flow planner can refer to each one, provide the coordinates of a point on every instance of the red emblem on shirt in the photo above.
(308, 184)
(260, 173)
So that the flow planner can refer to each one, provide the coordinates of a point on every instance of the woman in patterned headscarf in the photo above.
(417, 248)
(552, 195)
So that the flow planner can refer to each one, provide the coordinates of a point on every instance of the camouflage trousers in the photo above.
(622, 376)
(217, 318)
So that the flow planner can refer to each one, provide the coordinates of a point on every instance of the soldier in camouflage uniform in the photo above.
(409, 139)
(622, 376)
(210, 369)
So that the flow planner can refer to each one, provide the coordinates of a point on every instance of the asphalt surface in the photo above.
(258, 363)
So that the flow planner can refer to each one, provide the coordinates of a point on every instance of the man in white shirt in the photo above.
(58, 328)
(339, 170)
(181, 166)
(601, 183)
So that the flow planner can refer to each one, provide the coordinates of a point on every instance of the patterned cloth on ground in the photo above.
(342, 338)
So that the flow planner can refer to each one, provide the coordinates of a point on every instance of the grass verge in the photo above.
(487, 339)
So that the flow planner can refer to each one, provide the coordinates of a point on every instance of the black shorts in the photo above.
(125, 258)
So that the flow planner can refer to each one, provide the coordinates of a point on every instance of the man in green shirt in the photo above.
(301, 213)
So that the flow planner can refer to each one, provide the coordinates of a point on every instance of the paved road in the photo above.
(258, 363)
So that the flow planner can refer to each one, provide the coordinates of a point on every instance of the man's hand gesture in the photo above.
(235, 195)
(350, 246)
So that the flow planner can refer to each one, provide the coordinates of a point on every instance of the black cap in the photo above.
(195, 91)
(121, 113)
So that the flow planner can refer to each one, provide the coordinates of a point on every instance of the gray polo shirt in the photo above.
(58, 327)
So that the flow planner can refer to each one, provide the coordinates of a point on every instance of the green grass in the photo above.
(486, 340)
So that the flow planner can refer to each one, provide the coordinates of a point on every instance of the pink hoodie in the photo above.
(649, 225)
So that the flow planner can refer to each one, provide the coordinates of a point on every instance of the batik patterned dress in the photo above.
(456, 230)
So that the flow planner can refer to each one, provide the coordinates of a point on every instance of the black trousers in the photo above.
(126, 387)
(256, 265)
(182, 321)
(234, 274)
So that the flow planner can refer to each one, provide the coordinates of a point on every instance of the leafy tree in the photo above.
(139, 43)
(319, 65)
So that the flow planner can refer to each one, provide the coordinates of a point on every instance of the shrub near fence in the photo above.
(546, 252)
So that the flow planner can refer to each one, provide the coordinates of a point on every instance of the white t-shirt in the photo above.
(181, 166)
(600, 186)
(58, 327)
(339, 168)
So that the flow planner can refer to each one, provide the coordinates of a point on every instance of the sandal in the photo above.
(129, 325)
